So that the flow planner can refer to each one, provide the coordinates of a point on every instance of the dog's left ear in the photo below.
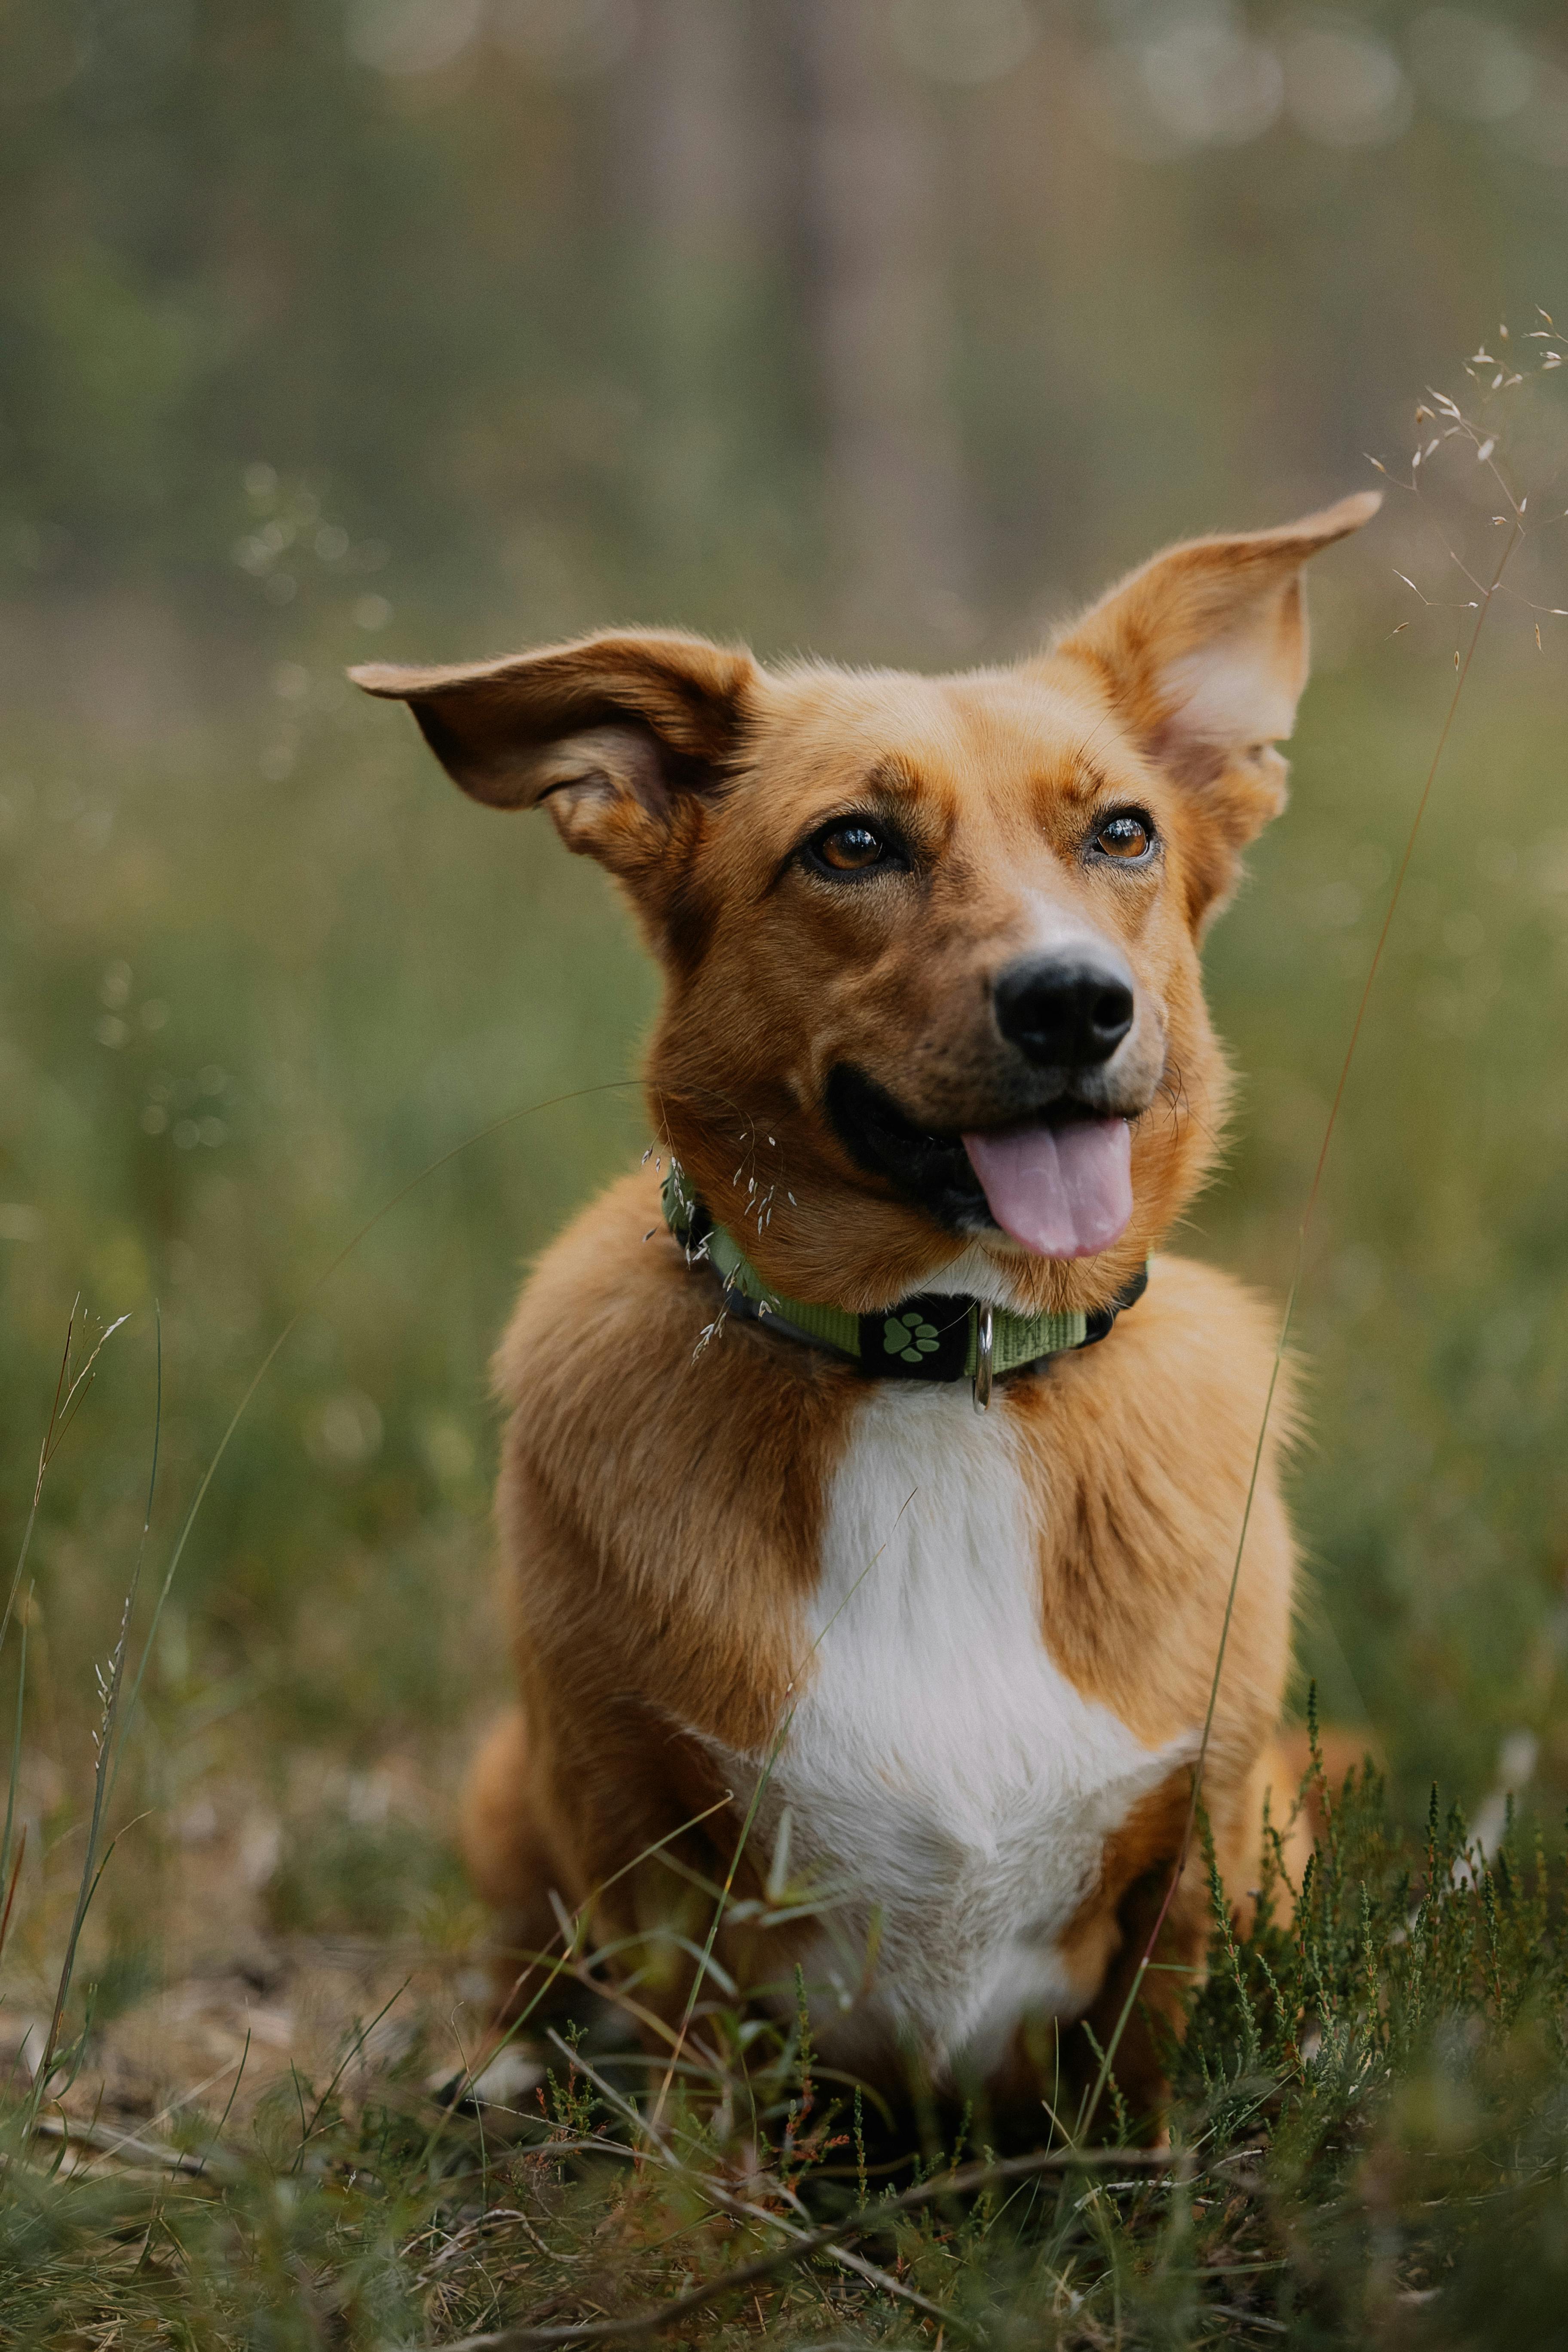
(1202, 652)
(620, 735)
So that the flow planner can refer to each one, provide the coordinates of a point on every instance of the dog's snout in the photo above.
(1065, 1012)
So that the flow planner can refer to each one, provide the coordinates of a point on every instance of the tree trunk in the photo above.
(897, 506)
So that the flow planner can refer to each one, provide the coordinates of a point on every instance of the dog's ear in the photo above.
(616, 733)
(1202, 652)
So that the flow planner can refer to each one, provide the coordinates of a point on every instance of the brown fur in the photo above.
(661, 1499)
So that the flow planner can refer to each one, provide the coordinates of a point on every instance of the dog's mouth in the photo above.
(1059, 1184)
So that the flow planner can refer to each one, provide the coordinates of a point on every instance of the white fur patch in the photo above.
(983, 1273)
(940, 1772)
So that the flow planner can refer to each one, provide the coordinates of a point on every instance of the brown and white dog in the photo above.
(933, 1029)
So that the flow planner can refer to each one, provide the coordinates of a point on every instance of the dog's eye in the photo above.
(851, 847)
(1125, 836)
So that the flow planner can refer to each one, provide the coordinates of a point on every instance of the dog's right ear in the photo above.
(615, 732)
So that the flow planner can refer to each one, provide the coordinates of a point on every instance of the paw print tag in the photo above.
(909, 1337)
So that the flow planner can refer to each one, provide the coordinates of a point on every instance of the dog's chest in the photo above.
(942, 1773)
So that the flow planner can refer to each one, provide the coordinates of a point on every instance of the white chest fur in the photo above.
(940, 1772)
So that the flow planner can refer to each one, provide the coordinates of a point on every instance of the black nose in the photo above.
(1065, 1011)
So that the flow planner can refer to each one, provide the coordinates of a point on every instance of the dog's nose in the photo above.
(1065, 1011)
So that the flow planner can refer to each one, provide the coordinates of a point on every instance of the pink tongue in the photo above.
(1061, 1191)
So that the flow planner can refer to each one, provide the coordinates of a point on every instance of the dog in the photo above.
(873, 1480)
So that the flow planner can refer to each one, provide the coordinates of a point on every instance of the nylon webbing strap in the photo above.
(834, 1325)
(929, 1337)
(1019, 1339)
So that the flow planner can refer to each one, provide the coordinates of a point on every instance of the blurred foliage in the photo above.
(1430, 1493)
(583, 306)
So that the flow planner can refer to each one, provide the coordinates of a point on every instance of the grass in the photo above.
(298, 1044)
(1366, 2147)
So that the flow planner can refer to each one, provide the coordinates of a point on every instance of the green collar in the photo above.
(929, 1336)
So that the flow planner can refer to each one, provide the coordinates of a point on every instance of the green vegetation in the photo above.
(1366, 2147)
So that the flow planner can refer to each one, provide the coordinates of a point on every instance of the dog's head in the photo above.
(931, 943)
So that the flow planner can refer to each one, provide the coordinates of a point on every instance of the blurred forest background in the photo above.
(886, 328)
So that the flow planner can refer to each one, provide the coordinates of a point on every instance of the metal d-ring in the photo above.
(983, 1359)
